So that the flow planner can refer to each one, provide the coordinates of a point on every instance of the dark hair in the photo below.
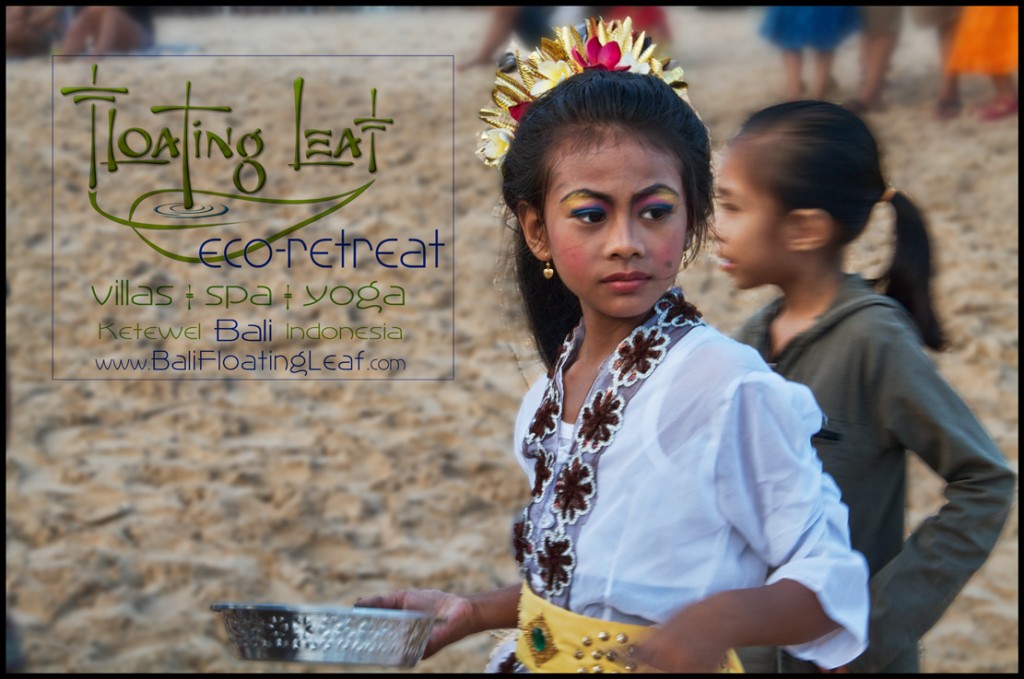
(585, 109)
(826, 158)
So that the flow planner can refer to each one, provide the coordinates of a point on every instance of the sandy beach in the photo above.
(133, 505)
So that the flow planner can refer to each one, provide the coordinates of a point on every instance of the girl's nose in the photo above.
(624, 239)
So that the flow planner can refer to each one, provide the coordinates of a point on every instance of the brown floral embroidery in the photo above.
(510, 665)
(677, 310)
(542, 464)
(556, 563)
(544, 420)
(637, 356)
(545, 540)
(521, 541)
(567, 346)
(601, 419)
(573, 490)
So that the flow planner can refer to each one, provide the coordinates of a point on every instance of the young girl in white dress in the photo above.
(678, 508)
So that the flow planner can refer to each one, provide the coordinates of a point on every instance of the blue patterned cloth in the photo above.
(15, 654)
(821, 28)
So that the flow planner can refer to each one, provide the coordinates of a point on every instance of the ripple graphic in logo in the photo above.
(170, 217)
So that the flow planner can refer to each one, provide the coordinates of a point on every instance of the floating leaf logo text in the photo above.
(187, 208)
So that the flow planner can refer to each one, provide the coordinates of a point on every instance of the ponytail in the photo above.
(908, 279)
(823, 156)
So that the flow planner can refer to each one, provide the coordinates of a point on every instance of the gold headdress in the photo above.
(609, 46)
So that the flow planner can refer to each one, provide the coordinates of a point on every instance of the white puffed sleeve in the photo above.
(772, 488)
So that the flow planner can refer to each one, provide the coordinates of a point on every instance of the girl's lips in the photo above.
(625, 276)
(626, 282)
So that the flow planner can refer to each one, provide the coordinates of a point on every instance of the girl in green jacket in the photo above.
(797, 185)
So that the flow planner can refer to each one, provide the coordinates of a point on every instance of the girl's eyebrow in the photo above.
(640, 195)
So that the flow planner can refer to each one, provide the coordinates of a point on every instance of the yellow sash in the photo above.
(552, 639)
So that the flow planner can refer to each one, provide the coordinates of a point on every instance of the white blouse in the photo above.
(712, 484)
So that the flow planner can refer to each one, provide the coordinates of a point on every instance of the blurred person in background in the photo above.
(820, 30)
(33, 30)
(879, 35)
(522, 27)
(796, 186)
(102, 29)
(879, 38)
(944, 20)
(985, 42)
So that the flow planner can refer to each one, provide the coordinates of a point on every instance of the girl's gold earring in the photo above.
(548, 271)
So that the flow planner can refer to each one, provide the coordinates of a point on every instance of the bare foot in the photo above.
(947, 109)
(1000, 108)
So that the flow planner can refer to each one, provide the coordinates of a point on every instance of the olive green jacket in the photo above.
(882, 396)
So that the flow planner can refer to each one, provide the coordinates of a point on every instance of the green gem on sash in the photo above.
(537, 637)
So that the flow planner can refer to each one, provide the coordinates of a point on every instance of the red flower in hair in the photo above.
(602, 57)
(518, 110)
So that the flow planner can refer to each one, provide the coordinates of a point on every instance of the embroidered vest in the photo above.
(563, 495)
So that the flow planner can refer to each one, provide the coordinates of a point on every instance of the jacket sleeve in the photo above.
(922, 413)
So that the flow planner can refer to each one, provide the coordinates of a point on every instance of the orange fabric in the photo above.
(985, 41)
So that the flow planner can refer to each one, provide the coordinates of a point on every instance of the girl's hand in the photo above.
(680, 647)
(455, 613)
(697, 638)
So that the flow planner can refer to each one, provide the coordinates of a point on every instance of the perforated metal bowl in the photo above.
(369, 636)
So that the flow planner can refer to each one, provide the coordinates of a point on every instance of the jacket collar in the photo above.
(854, 294)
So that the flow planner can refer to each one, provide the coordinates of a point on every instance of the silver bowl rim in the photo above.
(313, 609)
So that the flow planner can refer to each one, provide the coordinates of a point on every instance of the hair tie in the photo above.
(887, 195)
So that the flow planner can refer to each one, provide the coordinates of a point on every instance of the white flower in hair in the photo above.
(495, 145)
(635, 66)
(554, 72)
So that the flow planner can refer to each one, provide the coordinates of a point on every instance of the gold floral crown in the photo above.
(610, 46)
